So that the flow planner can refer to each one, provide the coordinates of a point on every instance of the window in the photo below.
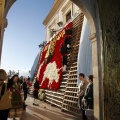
(68, 16)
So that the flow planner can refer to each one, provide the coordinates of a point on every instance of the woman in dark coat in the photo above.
(35, 93)
(88, 96)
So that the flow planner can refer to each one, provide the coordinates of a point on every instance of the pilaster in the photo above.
(93, 39)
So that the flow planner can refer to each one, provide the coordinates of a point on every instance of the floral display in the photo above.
(50, 65)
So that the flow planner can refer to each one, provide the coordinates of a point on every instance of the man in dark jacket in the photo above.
(81, 91)
(36, 88)
(25, 88)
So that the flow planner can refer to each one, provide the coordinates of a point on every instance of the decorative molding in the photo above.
(93, 37)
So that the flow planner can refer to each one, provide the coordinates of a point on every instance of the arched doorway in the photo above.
(89, 9)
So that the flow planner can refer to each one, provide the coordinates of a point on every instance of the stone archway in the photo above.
(105, 40)
(90, 10)
(4, 21)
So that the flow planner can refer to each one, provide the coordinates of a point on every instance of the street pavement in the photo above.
(45, 112)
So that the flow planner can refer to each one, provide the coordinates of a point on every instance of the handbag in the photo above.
(5, 101)
(89, 112)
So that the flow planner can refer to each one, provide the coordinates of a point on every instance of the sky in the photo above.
(24, 33)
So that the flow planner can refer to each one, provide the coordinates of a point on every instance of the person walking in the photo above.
(88, 96)
(35, 93)
(81, 91)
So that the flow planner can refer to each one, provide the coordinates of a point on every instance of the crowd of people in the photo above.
(85, 96)
(11, 89)
(13, 95)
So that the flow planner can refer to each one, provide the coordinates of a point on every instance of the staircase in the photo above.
(66, 97)
(70, 100)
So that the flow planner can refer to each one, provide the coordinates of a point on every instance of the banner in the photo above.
(50, 66)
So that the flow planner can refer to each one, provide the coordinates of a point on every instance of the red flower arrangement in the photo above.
(50, 73)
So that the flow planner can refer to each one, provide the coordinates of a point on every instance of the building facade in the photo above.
(60, 14)
(103, 18)
(63, 92)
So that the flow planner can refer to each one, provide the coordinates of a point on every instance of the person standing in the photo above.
(88, 96)
(17, 103)
(25, 88)
(35, 93)
(81, 91)
(28, 84)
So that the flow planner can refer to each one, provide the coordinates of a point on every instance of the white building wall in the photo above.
(60, 15)
(85, 52)
(76, 9)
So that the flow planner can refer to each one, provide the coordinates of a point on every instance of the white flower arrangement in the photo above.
(51, 73)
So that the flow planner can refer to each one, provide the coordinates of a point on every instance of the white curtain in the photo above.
(85, 52)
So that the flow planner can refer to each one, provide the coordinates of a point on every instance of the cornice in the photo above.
(55, 1)
(53, 10)
(66, 6)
